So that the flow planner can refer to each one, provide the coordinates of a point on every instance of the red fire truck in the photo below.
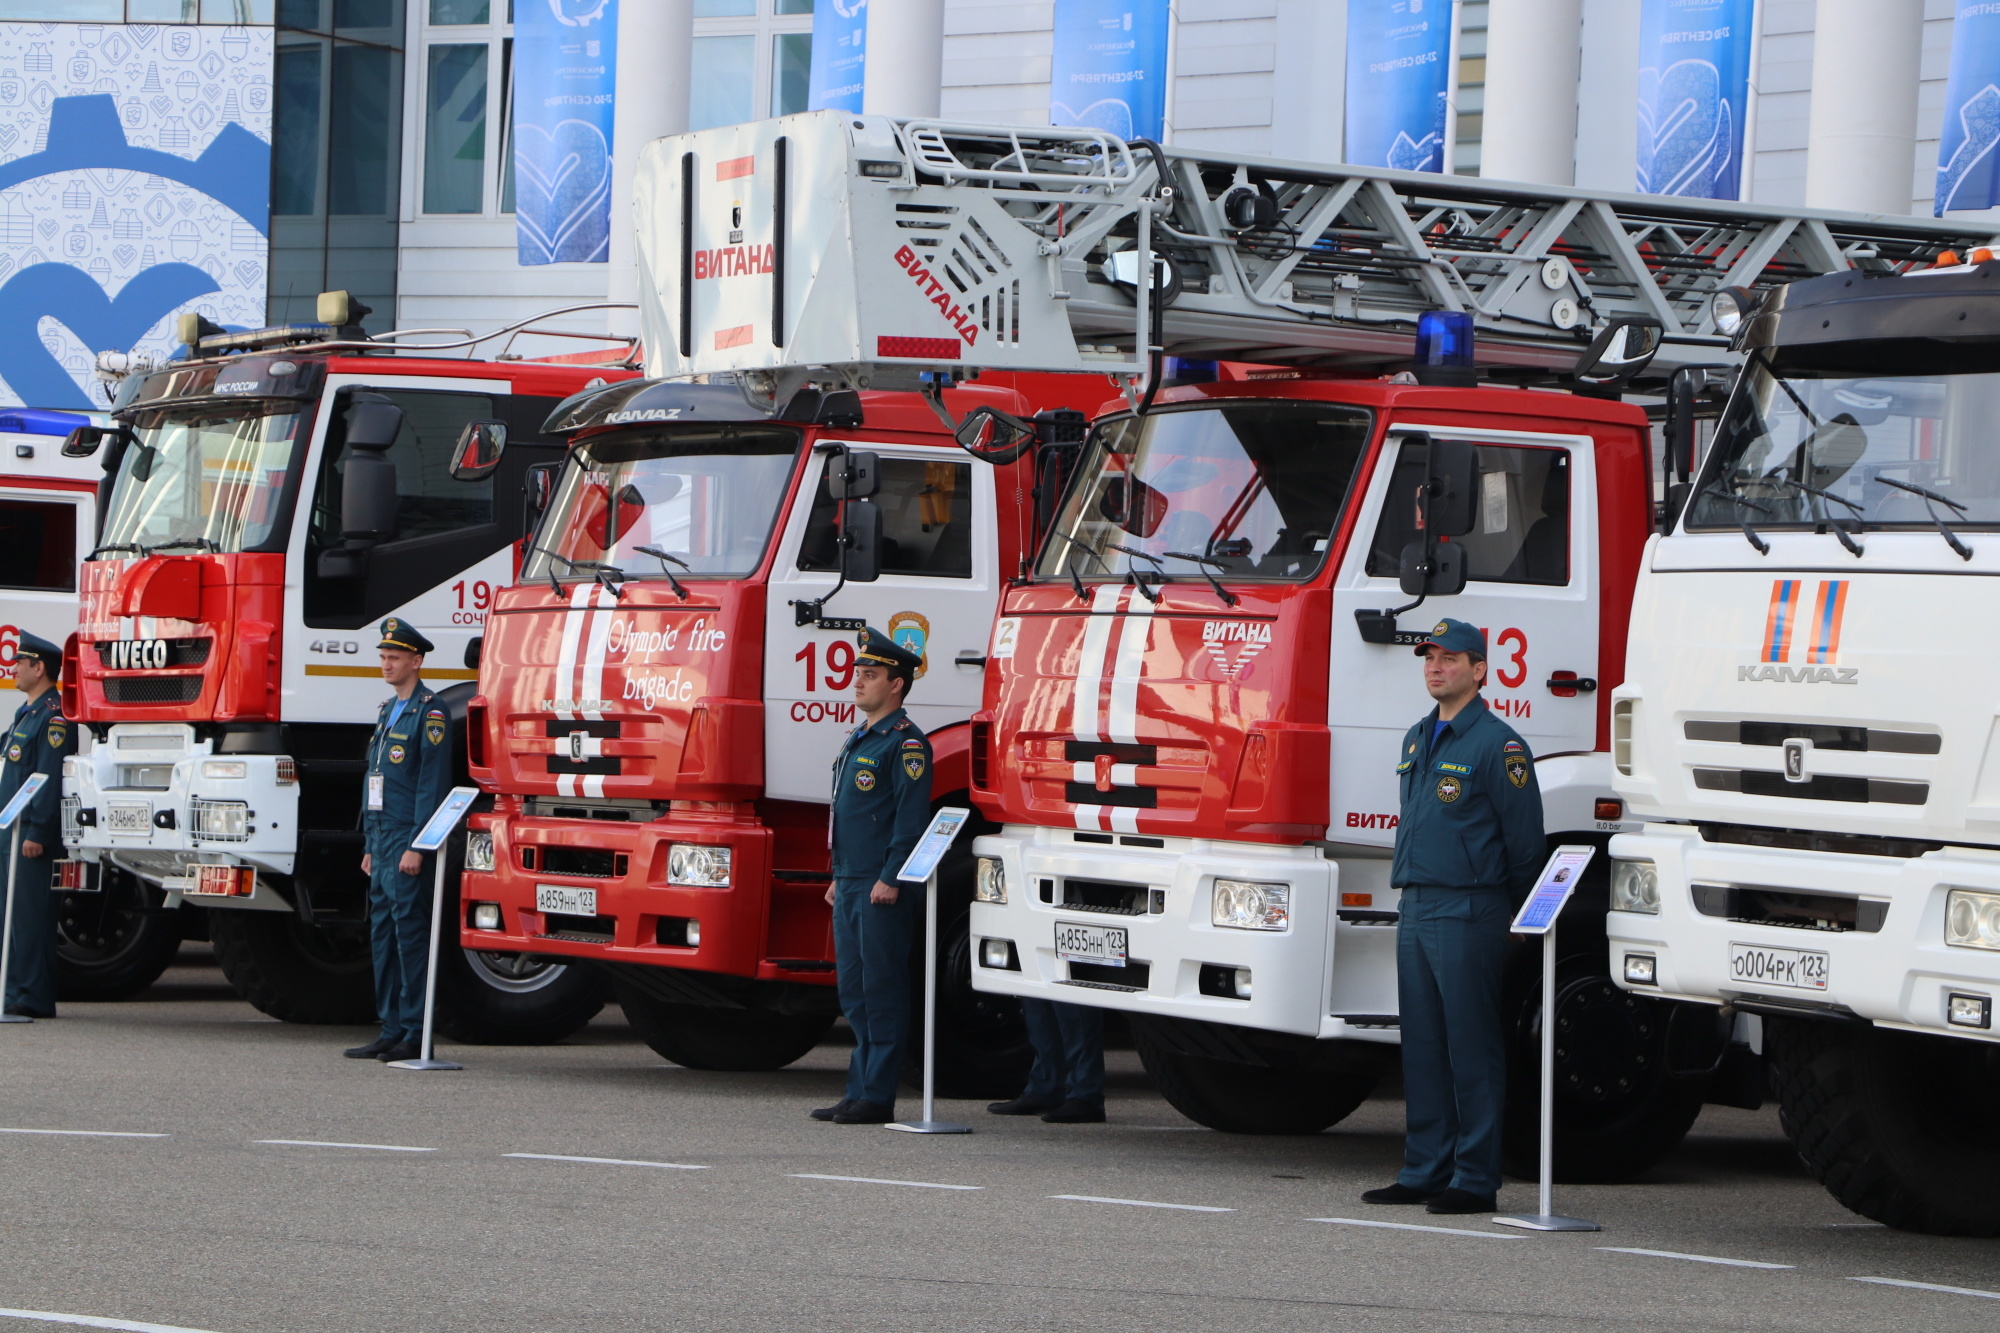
(255, 525)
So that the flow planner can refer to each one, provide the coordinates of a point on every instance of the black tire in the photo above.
(295, 972)
(730, 1040)
(983, 1051)
(1619, 1108)
(112, 944)
(514, 999)
(1254, 1099)
(1896, 1125)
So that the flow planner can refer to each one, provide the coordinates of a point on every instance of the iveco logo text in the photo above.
(1799, 675)
(136, 654)
(643, 414)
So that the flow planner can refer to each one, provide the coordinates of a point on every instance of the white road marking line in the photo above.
(1412, 1226)
(871, 1180)
(87, 1133)
(1929, 1286)
(317, 1143)
(93, 1321)
(604, 1161)
(1143, 1203)
(1692, 1258)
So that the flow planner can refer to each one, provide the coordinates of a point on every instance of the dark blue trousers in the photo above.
(1451, 950)
(1069, 1051)
(31, 957)
(399, 933)
(871, 948)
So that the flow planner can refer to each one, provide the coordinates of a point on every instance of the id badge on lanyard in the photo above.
(374, 791)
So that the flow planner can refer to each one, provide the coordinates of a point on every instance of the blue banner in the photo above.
(565, 71)
(840, 56)
(1966, 174)
(1694, 85)
(1398, 83)
(1110, 66)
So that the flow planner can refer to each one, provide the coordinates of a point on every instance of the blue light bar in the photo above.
(1444, 348)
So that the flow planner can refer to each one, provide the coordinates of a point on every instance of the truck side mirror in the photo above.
(1133, 506)
(83, 441)
(1432, 569)
(540, 488)
(855, 475)
(478, 450)
(993, 436)
(1452, 480)
(1621, 349)
(368, 480)
(861, 541)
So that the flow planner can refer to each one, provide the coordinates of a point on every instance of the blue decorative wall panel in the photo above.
(565, 75)
(1694, 86)
(1398, 80)
(1967, 177)
(839, 56)
(1110, 66)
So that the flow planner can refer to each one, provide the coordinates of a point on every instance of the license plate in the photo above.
(129, 818)
(1090, 944)
(565, 901)
(1800, 969)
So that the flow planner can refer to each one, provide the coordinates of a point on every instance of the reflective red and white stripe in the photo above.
(579, 677)
(1105, 704)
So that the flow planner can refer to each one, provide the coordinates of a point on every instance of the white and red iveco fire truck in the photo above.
(255, 526)
(1808, 729)
(1193, 692)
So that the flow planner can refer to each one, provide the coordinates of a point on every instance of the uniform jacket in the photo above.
(1472, 812)
(414, 759)
(881, 798)
(39, 739)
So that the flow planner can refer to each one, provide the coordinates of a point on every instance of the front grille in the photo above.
(152, 689)
(604, 765)
(583, 929)
(558, 729)
(1086, 793)
(1109, 897)
(1790, 908)
(1097, 976)
(570, 807)
(586, 862)
(1802, 840)
(1119, 752)
(1826, 787)
(180, 652)
(1822, 737)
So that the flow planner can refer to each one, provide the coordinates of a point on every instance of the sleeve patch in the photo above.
(913, 765)
(1517, 769)
(1513, 747)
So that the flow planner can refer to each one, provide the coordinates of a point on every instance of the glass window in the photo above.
(38, 545)
(723, 69)
(461, 11)
(455, 129)
(295, 130)
(162, 11)
(724, 9)
(1520, 532)
(63, 11)
(791, 72)
(795, 6)
(1254, 489)
(238, 11)
(362, 145)
(381, 19)
(707, 498)
(203, 478)
(507, 126)
(926, 520)
(429, 500)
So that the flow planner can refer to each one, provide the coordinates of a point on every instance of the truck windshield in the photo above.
(706, 498)
(202, 479)
(1802, 448)
(1254, 489)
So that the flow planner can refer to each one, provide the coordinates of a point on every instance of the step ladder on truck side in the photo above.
(1194, 693)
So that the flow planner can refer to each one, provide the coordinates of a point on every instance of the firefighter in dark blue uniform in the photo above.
(409, 775)
(1468, 846)
(37, 743)
(881, 805)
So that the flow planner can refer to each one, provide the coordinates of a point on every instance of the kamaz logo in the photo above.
(643, 414)
(136, 654)
(1800, 675)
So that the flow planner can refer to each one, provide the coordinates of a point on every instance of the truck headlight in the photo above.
(1972, 919)
(224, 768)
(989, 884)
(479, 854)
(1635, 887)
(1242, 904)
(698, 866)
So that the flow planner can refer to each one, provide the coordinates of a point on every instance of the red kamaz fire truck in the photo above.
(253, 531)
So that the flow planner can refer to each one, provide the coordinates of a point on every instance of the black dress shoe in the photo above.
(1024, 1106)
(1397, 1193)
(16, 1011)
(371, 1050)
(829, 1112)
(402, 1050)
(1076, 1113)
(1462, 1201)
(865, 1113)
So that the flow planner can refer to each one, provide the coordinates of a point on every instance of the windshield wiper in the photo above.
(555, 585)
(1075, 581)
(199, 543)
(1715, 488)
(1853, 547)
(665, 560)
(1964, 551)
(133, 547)
(1137, 580)
(1201, 563)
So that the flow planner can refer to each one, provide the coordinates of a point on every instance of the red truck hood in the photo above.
(177, 638)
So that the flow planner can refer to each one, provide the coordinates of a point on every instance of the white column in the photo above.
(655, 44)
(1607, 97)
(1862, 132)
(905, 65)
(1309, 111)
(1533, 54)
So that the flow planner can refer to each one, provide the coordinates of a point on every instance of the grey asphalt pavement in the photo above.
(593, 1186)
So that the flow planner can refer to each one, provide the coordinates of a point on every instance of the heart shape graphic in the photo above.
(562, 193)
(125, 254)
(94, 319)
(247, 273)
(8, 136)
(47, 227)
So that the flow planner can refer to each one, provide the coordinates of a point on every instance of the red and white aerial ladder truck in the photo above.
(264, 504)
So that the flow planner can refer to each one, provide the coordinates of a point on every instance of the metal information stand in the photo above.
(11, 818)
(1538, 917)
(431, 839)
(922, 864)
